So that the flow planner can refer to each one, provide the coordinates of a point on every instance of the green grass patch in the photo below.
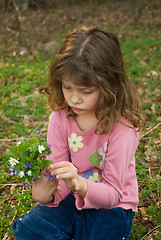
(23, 110)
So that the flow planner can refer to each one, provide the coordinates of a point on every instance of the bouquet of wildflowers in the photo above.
(28, 160)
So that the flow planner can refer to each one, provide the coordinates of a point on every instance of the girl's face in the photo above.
(82, 100)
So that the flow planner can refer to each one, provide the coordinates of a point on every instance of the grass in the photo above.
(23, 110)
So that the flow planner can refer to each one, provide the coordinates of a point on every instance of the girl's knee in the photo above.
(22, 230)
(19, 229)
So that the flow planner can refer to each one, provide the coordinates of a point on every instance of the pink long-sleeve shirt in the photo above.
(106, 161)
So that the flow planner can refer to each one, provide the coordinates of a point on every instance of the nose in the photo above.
(76, 98)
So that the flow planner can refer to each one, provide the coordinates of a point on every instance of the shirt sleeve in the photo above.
(59, 153)
(108, 193)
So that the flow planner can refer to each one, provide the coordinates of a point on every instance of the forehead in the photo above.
(71, 84)
(79, 80)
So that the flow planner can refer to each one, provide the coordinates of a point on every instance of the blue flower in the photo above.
(48, 145)
(28, 164)
(26, 185)
(52, 178)
(47, 175)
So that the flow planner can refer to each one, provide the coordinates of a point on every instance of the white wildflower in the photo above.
(29, 173)
(21, 174)
(41, 148)
(13, 161)
(19, 142)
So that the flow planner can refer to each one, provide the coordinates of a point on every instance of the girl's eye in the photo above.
(66, 87)
(87, 92)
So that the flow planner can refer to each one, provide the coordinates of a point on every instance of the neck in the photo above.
(86, 122)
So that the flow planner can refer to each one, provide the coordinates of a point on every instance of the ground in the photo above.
(134, 20)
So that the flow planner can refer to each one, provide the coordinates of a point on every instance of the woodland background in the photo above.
(31, 32)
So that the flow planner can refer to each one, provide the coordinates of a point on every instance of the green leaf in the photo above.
(95, 158)
(39, 163)
(14, 151)
(36, 173)
(34, 140)
(46, 163)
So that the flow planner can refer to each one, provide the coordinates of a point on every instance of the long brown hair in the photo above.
(92, 57)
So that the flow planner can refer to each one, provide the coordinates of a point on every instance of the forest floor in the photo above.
(24, 68)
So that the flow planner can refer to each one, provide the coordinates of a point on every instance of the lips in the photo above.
(76, 109)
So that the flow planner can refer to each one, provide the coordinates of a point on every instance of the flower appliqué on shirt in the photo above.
(95, 177)
(75, 142)
(98, 158)
(102, 151)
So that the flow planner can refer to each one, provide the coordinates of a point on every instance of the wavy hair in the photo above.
(90, 56)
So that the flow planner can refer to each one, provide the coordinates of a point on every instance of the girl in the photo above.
(93, 133)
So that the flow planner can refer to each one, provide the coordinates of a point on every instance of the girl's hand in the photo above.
(43, 189)
(68, 173)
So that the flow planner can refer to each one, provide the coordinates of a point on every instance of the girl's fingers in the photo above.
(64, 175)
(60, 164)
(70, 169)
(61, 170)
(76, 183)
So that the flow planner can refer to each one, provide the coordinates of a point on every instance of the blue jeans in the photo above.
(66, 222)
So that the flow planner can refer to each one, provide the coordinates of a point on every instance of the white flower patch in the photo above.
(41, 148)
(19, 142)
(21, 174)
(29, 173)
(13, 161)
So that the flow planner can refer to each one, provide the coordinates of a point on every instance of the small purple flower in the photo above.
(13, 171)
(39, 133)
(33, 179)
(11, 168)
(52, 178)
(23, 52)
(115, 4)
(48, 145)
(28, 164)
(47, 175)
(26, 154)
(26, 185)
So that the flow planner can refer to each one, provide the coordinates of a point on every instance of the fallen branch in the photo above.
(16, 139)
(10, 184)
(150, 232)
(150, 130)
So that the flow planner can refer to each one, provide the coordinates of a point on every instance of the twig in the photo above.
(31, 134)
(150, 130)
(10, 184)
(150, 232)
(15, 139)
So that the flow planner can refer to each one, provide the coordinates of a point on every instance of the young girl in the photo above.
(93, 133)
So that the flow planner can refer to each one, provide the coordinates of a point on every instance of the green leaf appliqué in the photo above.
(95, 158)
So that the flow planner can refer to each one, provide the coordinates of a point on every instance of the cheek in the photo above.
(94, 101)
